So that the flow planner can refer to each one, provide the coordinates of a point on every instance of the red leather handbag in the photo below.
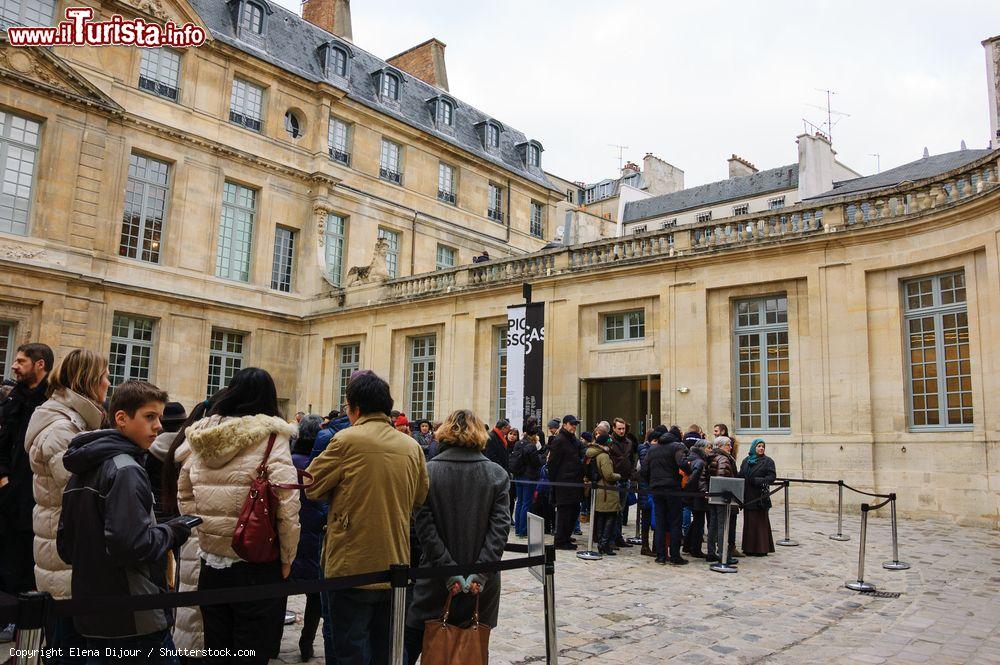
(256, 536)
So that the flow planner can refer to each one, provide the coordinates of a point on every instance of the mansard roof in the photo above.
(290, 42)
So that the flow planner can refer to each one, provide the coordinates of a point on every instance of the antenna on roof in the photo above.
(878, 161)
(830, 112)
(621, 154)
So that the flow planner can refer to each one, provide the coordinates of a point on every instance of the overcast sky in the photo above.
(695, 82)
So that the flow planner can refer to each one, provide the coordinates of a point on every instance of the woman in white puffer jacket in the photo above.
(78, 387)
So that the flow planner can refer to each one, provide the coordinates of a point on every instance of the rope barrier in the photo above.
(877, 496)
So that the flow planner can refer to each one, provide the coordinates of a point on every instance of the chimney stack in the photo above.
(661, 177)
(425, 61)
(740, 167)
(334, 16)
(992, 46)
(815, 165)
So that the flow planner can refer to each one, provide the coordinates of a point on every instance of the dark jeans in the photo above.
(329, 656)
(413, 643)
(606, 528)
(695, 532)
(139, 649)
(17, 562)
(525, 495)
(361, 626)
(247, 626)
(566, 516)
(668, 519)
(310, 618)
(65, 637)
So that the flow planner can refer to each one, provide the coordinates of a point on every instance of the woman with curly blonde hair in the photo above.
(464, 521)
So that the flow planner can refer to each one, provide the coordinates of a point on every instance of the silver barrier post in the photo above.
(840, 514)
(590, 554)
(551, 640)
(861, 585)
(32, 610)
(787, 540)
(637, 538)
(399, 579)
(895, 564)
(724, 566)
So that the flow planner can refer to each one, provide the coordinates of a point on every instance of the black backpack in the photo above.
(592, 471)
(517, 459)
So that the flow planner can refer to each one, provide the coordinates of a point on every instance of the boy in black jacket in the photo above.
(107, 531)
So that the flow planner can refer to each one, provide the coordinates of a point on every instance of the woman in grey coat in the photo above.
(465, 520)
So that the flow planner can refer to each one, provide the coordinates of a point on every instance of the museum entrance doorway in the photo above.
(636, 399)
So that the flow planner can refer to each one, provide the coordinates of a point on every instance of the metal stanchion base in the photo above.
(634, 541)
(723, 568)
(896, 565)
(587, 555)
(839, 536)
(860, 586)
(787, 543)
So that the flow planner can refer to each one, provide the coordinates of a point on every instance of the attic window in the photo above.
(492, 135)
(445, 112)
(337, 63)
(389, 87)
(252, 19)
(534, 155)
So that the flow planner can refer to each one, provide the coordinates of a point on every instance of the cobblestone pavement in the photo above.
(790, 607)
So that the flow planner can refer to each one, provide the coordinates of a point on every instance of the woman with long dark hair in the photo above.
(759, 472)
(226, 447)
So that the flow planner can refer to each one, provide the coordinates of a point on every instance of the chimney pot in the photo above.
(424, 61)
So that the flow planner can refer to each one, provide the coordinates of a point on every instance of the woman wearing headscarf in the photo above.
(464, 521)
(759, 472)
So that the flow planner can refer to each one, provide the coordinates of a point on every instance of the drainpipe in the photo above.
(508, 211)
(413, 243)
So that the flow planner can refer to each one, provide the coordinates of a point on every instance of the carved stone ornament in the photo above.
(20, 252)
(321, 212)
(375, 271)
(151, 7)
(19, 60)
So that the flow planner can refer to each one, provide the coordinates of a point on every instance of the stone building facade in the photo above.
(138, 218)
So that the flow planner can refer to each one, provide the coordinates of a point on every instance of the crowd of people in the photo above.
(132, 494)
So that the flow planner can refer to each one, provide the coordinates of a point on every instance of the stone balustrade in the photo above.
(834, 214)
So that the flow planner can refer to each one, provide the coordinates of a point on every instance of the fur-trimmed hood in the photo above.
(217, 439)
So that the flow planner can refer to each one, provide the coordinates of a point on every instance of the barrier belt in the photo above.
(646, 492)
(807, 480)
(877, 496)
(881, 505)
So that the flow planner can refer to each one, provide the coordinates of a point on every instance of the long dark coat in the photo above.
(465, 520)
(758, 476)
(565, 466)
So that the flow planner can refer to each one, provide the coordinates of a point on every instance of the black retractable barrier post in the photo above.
(399, 579)
(551, 641)
(895, 564)
(840, 514)
(861, 585)
(787, 540)
(32, 614)
(723, 566)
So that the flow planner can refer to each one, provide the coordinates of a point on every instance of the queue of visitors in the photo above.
(134, 495)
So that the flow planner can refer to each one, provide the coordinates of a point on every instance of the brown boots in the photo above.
(645, 551)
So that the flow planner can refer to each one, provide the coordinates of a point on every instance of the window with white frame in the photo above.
(19, 138)
(638, 229)
(27, 12)
(492, 135)
(494, 203)
(939, 366)
(338, 141)
(160, 71)
(284, 258)
(7, 347)
(446, 183)
(569, 195)
(625, 326)
(760, 338)
(776, 202)
(131, 352)
(703, 216)
(389, 162)
(392, 256)
(669, 224)
(246, 105)
(537, 225)
(500, 344)
(232, 258)
(225, 358)
(251, 19)
(445, 258)
(741, 209)
(444, 112)
(389, 86)
(334, 232)
(534, 155)
(422, 376)
(348, 362)
(337, 61)
(145, 208)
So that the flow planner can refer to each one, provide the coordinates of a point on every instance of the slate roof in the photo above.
(733, 189)
(926, 167)
(291, 42)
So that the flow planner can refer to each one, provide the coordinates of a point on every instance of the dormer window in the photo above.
(531, 153)
(389, 87)
(334, 57)
(252, 19)
(534, 156)
(445, 112)
(492, 135)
